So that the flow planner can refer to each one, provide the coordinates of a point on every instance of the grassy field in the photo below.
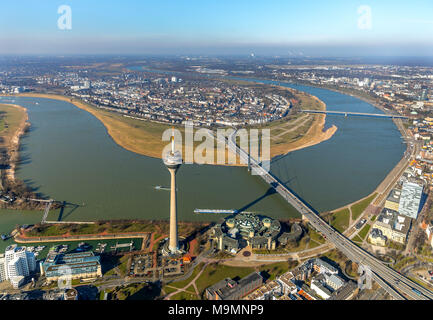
(357, 239)
(112, 227)
(336, 256)
(185, 296)
(183, 283)
(190, 289)
(276, 269)
(359, 207)
(363, 233)
(136, 291)
(340, 219)
(123, 266)
(214, 273)
(315, 236)
(169, 290)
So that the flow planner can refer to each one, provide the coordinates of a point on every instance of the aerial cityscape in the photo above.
(176, 152)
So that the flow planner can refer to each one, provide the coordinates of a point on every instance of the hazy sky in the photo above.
(311, 27)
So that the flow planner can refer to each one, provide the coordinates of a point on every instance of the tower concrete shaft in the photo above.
(173, 244)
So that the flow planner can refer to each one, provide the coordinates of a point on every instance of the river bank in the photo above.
(16, 194)
(315, 135)
(11, 142)
(383, 188)
(144, 137)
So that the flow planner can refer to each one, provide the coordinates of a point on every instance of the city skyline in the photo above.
(388, 28)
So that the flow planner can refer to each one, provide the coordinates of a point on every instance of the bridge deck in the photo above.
(386, 277)
(349, 113)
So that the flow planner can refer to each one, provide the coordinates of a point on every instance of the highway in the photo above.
(398, 286)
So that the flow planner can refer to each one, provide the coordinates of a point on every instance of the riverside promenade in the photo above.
(85, 237)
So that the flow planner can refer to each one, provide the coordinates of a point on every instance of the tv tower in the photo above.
(173, 161)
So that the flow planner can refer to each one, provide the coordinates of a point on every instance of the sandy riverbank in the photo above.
(148, 142)
(315, 135)
(13, 144)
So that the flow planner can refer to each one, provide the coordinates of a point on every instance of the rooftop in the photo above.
(394, 196)
(410, 199)
(392, 219)
(227, 287)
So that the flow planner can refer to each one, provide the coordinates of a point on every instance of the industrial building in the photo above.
(229, 289)
(83, 265)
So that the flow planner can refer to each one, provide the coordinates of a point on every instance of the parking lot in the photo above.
(143, 265)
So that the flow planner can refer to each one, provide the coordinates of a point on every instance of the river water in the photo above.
(69, 156)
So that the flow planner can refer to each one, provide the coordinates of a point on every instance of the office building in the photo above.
(3, 276)
(18, 263)
(229, 289)
(322, 266)
(410, 200)
(393, 200)
(393, 226)
(83, 265)
(320, 289)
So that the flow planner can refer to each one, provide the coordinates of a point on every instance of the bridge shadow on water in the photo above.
(281, 163)
(268, 193)
(297, 196)
(272, 190)
(69, 207)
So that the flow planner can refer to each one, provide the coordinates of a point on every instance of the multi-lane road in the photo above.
(397, 285)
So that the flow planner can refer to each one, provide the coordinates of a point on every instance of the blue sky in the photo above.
(312, 27)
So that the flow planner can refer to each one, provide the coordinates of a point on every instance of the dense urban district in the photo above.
(244, 255)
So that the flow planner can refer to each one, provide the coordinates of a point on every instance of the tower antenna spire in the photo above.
(172, 140)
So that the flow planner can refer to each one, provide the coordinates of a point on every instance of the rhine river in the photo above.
(69, 156)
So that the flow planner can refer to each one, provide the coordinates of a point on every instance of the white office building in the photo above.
(3, 276)
(17, 264)
(320, 290)
(17, 281)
